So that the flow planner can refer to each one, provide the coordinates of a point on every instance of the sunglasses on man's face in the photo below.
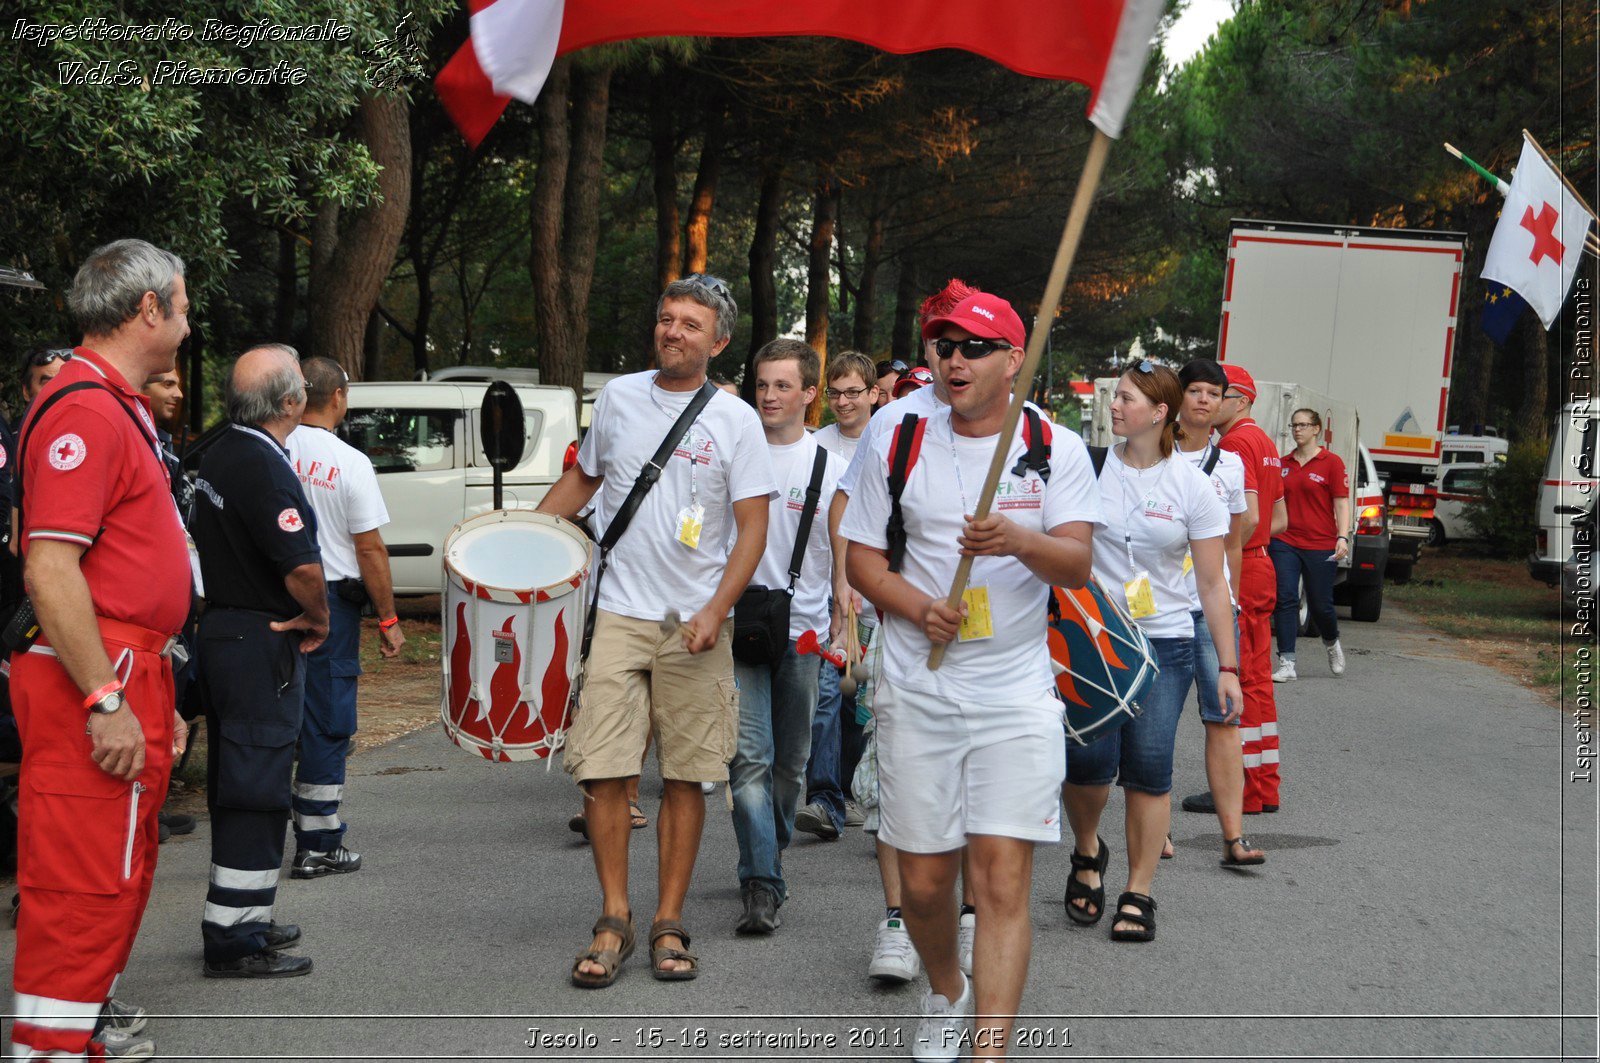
(893, 365)
(971, 349)
(716, 284)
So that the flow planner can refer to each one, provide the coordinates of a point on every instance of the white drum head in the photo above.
(517, 550)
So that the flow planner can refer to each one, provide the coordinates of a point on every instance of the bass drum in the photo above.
(516, 592)
(1102, 660)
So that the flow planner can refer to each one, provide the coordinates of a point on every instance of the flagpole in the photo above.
(1077, 218)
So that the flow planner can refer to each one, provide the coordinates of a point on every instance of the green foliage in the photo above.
(1507, 517)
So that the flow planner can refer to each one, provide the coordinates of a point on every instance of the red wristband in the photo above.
(1229, 668)
(385, 625)
(110, 688)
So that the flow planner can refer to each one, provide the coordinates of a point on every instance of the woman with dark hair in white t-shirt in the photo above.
(1158, 508)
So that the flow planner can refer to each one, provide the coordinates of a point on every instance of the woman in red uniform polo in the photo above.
(1316, 491)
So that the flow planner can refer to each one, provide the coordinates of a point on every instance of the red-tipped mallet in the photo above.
(807, 643)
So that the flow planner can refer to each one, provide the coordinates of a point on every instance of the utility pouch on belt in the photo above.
(21, 628)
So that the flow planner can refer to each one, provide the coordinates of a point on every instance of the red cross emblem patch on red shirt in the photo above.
(67, 452)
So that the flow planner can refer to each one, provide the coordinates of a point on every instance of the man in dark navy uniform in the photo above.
(267, 605)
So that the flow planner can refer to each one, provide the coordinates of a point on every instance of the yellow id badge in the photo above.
(691, 519)
(1188, 563)
(1141, 599)
(978, 623)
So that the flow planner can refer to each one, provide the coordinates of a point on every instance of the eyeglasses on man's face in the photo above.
(971, 348)
(835, 394)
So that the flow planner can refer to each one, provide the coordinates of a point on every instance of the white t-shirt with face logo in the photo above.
(339, 482)
(791, 468)
(1153, 514)
(837, 442)
(720, 460)
(1013, 665)
(1227, 477)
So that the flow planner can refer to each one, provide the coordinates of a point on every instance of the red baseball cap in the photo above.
(982, 314)
(919, 377)
(1240, 380)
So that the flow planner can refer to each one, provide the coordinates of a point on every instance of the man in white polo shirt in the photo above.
(776, 698)
(339, 482)
(972, 754)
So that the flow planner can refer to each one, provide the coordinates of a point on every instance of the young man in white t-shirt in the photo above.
(689, 552)
(852, 396)
(767, 778)
(342, 488)
(972, 754)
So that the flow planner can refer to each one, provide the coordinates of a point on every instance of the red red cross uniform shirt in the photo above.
(91, 477)
(1308, 492)
(1263, 473)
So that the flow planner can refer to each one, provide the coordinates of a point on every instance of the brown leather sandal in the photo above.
(658, 955)
(610, 960)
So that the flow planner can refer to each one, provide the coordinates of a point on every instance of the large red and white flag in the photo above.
(1099, 43)
(1539, 241)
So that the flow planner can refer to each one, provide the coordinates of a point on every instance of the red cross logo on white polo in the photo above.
(67, 452)
(289, 520)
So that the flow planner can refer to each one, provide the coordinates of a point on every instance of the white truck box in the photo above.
(1568, 488)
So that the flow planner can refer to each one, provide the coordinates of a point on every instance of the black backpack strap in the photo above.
(1097, 458)
(903, 451)
(1211, 459)
(648, 475)
(813, 499)
(1036, 446)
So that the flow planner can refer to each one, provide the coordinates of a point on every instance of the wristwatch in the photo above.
(109, 704)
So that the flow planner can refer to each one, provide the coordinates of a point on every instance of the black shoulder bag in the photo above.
(630, 505)
(761, 615)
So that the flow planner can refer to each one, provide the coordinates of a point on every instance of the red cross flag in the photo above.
(1098, 43)
(1539, 241)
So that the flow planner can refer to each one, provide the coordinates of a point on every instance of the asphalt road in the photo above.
(1430, 893)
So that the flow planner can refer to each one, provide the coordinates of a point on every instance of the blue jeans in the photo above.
(822, 770)
(767, 776)
(1207, 669)
(332, 670)
(1138, 754)
(1291, 564)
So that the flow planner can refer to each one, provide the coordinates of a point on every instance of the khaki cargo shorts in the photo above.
(642, 679)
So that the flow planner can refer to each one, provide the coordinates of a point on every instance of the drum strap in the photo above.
(630, 505)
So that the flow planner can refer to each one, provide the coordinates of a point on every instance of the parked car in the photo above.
(1459, 487)
(592, 382)
(1568, 488)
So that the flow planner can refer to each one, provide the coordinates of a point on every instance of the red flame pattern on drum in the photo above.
(556, 689)
(1097, 635)
(460, 668)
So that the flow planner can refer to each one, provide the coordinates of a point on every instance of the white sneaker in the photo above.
(129, 1018)
(1285, 672)
(123, 1045)
(966, 934)
(894, 957)
(942, 1031)
(1336, 658)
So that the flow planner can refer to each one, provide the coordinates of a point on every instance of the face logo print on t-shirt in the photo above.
(289, 520)
(1027, 493)
(67, 452)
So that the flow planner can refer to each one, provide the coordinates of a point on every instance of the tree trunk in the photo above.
(288, 285)
(194, 386)
(824, 214)
(419, 328)
(697, 226)
(763, 267)
(355, 270)
(1531, 421)
(903, 338)
(565, 217)
(867, 290)
(664, 153)
(372, 348)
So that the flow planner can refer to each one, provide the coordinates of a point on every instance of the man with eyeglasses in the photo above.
(39, 368)
(109, 573)
(266, 608)
(971, 757)
(339, 482)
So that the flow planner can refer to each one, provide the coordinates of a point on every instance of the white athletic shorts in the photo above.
(947, 769)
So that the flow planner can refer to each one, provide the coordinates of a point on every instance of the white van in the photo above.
(1568, 487)
(592, 382)
(1460, 485)
(1473, 450)
(423, 439)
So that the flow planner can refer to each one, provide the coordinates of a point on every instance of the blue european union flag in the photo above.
(1502, 308)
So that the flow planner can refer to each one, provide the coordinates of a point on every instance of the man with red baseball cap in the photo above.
(1258, 593)
(919, 377)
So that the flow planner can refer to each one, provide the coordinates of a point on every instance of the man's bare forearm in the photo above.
(65, 608)
(750, 515)
(310, 592)
(869, 573)
(372, 558)
(570, 494)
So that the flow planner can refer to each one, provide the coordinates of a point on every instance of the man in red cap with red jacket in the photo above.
(1258, 588)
